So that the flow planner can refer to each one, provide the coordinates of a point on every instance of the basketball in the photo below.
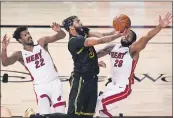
(121, 22)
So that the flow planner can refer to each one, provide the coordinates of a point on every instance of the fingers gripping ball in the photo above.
(121, 22)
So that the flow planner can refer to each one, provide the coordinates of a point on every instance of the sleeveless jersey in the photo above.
(122, 65)
(40, 65)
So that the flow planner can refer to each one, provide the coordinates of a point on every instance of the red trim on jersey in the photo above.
(119, 96)
(59, 104)
(131, 78)
(106, 113)
(52, 61)
(36, 96)
(32, 78)
(115, 98)
(45, 95)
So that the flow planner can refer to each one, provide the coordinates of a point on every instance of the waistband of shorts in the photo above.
(84, 75)
(123, 85)
(47, 82)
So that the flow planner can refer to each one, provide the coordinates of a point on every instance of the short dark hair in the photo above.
(134, 36)
(68, 22)
(17, 32)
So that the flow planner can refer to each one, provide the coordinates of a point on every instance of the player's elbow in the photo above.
(4, 63)
(86, 44)
(62, 34)
(90, 42)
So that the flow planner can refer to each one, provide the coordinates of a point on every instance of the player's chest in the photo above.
(30, 57)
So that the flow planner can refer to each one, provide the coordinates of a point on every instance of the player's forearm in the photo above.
(108, 33)
(153, 32)
(50, 39)
(99, 34)
(142, 42)
(60, 35)
(4, 57)
(101, 53)
(108, 39)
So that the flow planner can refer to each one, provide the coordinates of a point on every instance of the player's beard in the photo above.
(30, 43)
(125, 44)
(80, 31)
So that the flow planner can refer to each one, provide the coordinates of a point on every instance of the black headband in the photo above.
(68, 22)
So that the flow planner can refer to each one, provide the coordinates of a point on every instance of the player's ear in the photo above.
(20, 40)
(71, 28)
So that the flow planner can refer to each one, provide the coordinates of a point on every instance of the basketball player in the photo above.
(83, 94)
(5, 112)
(37, 60)
(124, 58)
(29, 112)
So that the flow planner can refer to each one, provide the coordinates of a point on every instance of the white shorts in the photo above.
(111, 96)
(49, 94)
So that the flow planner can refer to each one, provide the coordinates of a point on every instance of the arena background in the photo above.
(152, 91)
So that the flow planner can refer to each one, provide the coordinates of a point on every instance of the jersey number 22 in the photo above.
(39, 63)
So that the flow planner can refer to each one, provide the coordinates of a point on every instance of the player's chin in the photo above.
(30, 41)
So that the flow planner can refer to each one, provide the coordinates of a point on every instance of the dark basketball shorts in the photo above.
(83, 95)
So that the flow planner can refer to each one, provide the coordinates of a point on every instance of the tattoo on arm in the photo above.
(106, 50)
(107, 39)
(108, 33)
(95, 41)
(99, 34)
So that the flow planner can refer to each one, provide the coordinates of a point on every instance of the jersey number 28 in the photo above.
(118, 63)
(39, 63)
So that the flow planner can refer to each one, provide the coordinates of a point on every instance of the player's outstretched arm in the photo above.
(102, 64)
(11, 59)
(142, 42)
(99, 34)
(50, 39)
(106, 39)
(104, 51)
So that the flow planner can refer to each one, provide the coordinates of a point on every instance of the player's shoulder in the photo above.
(75, 39)
(18, 53)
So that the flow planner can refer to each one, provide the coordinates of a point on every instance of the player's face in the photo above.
(78, 26)
(127, 40)
(77, 23)
(26, 38)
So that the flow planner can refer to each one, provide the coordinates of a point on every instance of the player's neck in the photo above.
(73, 33)
(28, 48)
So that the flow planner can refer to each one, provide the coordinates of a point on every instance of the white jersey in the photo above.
(122, 65)
(40, 65)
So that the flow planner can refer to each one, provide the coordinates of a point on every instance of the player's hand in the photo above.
(163, 22)
(5, 41)
(102, 64)
(125, 33)
(56, 27)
